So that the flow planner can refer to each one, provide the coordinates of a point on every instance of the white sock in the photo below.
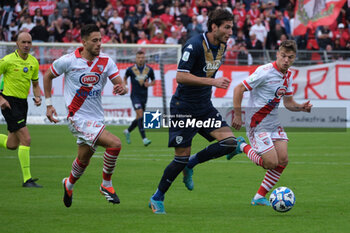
(243, 144)
(257, 196)
(69, 185)
(126, 131)
(107, 183)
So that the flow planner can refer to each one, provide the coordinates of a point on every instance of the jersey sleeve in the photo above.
(188, 58)
(112, 70)
(254, 79)
(128, 72)
(35, 76)
(151, 74)
(60, 65)
(3, 64)
(289, 91)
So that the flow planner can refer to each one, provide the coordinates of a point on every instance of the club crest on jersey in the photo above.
(25, 69)
(280, 92)
(89, 79)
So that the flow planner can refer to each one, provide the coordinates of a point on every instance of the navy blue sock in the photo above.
(141, 129)
(158, 195)
(193, 161)
(213, 151)
(132, 126)
(171, 172)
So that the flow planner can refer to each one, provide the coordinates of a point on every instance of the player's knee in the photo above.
(115, 143)
(25, 141)
(228, 144)
(270, 164)
(284, 162)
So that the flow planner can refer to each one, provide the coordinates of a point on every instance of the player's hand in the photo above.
(146, 84)
(306, 107)
(237, 122)
(4, 103)
(50, 113)
(222, 82)
(120, 89)
(37, 101)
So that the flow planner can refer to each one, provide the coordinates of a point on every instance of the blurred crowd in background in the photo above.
(258, 24)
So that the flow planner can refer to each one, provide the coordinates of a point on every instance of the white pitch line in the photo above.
(163, 158)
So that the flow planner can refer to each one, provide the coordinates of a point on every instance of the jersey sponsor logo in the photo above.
(212, 66)
(84, 93)
(280, 92)
(89, 79)
(186, 56)
(25, 69)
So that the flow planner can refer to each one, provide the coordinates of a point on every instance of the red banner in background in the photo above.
(46, 7)
(313, 13)
(321, 82)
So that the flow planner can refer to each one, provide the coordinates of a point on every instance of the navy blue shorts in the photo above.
(138, 102)
(16, 117)
(182, 135)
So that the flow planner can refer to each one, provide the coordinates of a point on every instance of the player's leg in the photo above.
(113, 146)
(248, 150)
(79, 165)
(226, 144)
(169, 175)
(276, 164)
(9, 141)
(181, 139)
(139, 115)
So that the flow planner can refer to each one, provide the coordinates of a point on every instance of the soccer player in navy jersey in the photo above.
(142, 77)
(191, 104)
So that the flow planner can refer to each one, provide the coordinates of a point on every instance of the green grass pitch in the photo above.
(318, 173)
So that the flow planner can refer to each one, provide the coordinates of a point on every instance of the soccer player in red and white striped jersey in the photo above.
(268, 85)
(86, 72)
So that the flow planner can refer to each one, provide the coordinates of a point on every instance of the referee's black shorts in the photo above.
(16, 117)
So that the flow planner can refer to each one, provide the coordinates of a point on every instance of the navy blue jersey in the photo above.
(138, 76)
(201, 59)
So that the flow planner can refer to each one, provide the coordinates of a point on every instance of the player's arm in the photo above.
(37, 93)
(3, 102)
(293, 106)
(50, 110)
(119, 86)
(237, 106)
(190, 79)
(152, 78)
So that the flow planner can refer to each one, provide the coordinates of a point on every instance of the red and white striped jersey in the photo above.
(267, 85)
(84, 82)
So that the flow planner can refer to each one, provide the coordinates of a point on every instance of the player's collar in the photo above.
(77, 52)
(206, 39)
(274, 64)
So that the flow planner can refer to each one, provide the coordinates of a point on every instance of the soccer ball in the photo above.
(282, 199)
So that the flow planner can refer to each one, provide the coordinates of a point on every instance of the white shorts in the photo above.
(86, 131)
(262, 142)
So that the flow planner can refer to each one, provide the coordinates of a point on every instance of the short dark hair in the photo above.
(288, 45)
(87, 29)
(217, 17)
(140, 52)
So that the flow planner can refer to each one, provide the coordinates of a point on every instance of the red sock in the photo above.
(77, 171)
(270, 179)
(109, 161)
(252, 155)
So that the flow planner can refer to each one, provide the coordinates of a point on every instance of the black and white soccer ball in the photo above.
(282, 199)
